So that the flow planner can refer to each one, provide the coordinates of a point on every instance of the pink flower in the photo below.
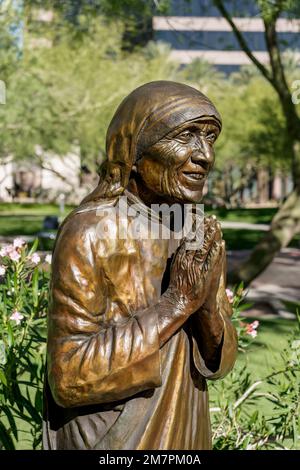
(35, 258)
(3, 251)
(251, 328)
(14, 255)
(17, 317)
(2, 270)
(19, 242)
(6, 249)
(48, 259)
(252, 333)
(230, 295)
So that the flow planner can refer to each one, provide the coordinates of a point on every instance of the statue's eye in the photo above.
(185, 136)
(211, 137)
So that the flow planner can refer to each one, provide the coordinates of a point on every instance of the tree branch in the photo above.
(242, 42)
(280, 82)
(55, 172)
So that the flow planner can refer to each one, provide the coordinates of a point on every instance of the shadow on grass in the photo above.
(257, 216)
(240, 239)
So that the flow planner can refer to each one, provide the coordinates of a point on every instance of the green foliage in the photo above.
(135, 15)
(23, 304)
(271, 10)
(9, 19)
(61, 98)
(238, 412)
(245, 332)
(254, 127)
(254, 131)
(202, 74)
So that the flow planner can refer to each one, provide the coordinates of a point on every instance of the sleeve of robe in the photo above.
(228, 345)
(91, 360)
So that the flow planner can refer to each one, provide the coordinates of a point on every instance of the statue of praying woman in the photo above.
(137, 325)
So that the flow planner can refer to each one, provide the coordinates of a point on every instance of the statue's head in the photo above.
(177, 166)
(165, 132)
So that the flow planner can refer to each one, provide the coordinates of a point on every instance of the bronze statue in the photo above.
(136, 326)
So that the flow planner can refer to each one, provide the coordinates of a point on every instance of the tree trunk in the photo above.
(287, 220)
(262, 186)
(285, 224)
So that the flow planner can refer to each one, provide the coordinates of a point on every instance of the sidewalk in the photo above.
(279, 282)
(245, 226)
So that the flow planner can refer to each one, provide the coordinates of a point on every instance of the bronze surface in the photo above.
(136, 326)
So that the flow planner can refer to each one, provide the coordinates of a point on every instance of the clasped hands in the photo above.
(195, 274)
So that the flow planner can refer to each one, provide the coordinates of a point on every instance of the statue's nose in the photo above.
(203, 153)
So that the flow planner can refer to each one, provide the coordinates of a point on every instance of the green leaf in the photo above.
(35, 287)
(34, 247)
(35, 415)
(11, 420)
(11, 338)
(3, 357)
(38, 402)
(3, 377)
(245, 307)
(5, 438)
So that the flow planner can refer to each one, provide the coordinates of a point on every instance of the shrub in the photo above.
(23, 304)
(239, 417)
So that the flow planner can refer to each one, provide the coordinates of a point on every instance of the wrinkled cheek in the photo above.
(170, 182)
(175, 155)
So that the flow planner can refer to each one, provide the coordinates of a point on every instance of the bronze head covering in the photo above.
(144, 117)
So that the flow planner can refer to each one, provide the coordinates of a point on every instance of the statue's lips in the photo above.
(194, 176)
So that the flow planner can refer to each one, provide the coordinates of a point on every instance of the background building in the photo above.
(195, 29)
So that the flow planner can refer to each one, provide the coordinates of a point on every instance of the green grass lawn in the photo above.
(11, 208)
(264, 352)
(240, 239)
(253, 216)
(25, 219)
(261, 358)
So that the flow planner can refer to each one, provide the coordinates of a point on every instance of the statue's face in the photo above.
(177, 166)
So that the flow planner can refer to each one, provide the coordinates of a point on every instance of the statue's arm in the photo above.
(213, 335)
(91, 361)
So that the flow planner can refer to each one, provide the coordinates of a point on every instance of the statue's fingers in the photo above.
(214, 257)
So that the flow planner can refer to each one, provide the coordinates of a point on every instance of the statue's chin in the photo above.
(188, 197)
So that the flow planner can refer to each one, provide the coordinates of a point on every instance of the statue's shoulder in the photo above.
(85, 218)
(91, 210)
(100, 225)
(93, 207)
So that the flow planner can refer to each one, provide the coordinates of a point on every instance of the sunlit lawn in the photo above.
(25, 219)
(264, 352)
(253, 216)
(262, 357)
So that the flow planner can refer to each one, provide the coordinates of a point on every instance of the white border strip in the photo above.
(198, 23)
(221, 57)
